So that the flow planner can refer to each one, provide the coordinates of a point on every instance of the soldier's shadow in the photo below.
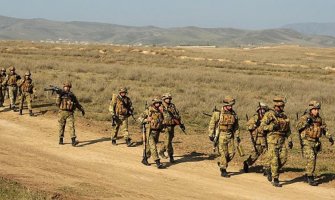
(90, 142)
(191, 157)
(325, 178)
(295, 180)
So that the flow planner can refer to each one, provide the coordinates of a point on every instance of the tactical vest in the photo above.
(170, 115)
(2, 79)
(27, 86)
(283, 124)
(67, 102)
(227, 122)
(315, 130)
(12, 80)
(122, 106)
(157, 119)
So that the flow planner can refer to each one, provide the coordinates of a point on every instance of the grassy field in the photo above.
(198, 79)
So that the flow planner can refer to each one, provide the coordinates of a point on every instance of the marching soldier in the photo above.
(276, 125)
(67, 103)
(171, 119)
(224, 128)
(153, 116)
(258, 138)
(27, 89)
(2, 87)
(121, 109)
(311, 127)
(11, 82)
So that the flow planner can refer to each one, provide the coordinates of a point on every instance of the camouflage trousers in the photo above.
(2, 95)
(152, 141)
(226, 149)
(168, 135)
(63, 118)
(310, 154)
(262, 152)
(277, 154)
(12, 92)
(25, 96)
(121, 125)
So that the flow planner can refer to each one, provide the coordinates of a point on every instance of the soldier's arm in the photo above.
(251, 124)
(289, 134)
(112, 105)
(213, 123)
(266, 124)
(143, 117)
(302, 123)
(58, 99)
(77, 104)
(236, 127)
(325, 130)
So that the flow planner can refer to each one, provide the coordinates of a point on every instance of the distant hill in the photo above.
(41, 29)
(313, 28)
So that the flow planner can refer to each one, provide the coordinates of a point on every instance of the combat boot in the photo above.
(245, 167)
(224, 173)
(276, 182)
(311, 181)
(171, 159)
(20, 112)
(74, 141)
(31, 113)
(159, 164)
(162, 155)
(61, 142)
(128, 142)
(114, 142)
(10, 106)
(145, 162)
(268, 174)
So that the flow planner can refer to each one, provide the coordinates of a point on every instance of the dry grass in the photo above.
(197, 78)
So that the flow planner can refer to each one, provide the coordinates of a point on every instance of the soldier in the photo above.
(171, 119)
(27, 89)
(11, 82)
(153, 116)
(2, 87)
(121, 109)
(276, 125)
(67, 103)
(259, 139)
(311, 127)
(224, 127)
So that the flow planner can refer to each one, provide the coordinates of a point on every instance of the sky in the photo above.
(245, 14)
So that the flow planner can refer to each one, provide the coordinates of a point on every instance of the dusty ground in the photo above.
(30, 154)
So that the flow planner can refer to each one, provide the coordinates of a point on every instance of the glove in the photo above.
(331, 140)
(309, 121)
(83, 112)
(290, 144)
(238, 139)
(211, 138)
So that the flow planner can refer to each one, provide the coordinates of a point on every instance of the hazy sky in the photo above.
(250, 14)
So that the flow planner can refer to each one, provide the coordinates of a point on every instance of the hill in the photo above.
(313, 28)
(41, 29)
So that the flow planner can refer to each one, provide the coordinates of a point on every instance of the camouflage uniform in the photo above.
(171, 119)
(11, 82)
(311, 128)
(224, 126)
(2, 87)
(121, 108)
(67, 103)
(277, 126)
(27, 89)
(259, 137)
(155, 113)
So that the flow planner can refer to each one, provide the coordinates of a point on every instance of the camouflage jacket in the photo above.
(224, 121)
(276, 123)
(314, 129)
(171, 114)
(26, 85)
(157, 118)
(11, 80)
(121, 106)
(253, 126)
(67, 101)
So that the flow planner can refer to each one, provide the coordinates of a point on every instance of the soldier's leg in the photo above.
(170, 137)
(148, 146)
(22, 99)
(309, 155)
(153, 139)
(29, 100)
(254, 156)
(72, 128)
(231, 150)
(223, 150)
(11, 96)
(164, 141)
(116, 129)
(2, 97)
(124, 128)
(282, 156)
(61, 123)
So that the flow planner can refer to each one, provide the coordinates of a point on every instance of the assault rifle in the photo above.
(144, 135)
(54, 89)
(253, 140)
(300, 139)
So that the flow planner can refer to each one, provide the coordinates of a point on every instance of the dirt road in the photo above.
(30, 154)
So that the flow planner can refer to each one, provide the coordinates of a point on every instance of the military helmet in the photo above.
(262, 105)
(314, 105)
(123, 89)
(228, 101)
(11, 68)
(3, 69)
(67, 84)
(166, 96)
(27, 73)
(279, 101)
(156, 100)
